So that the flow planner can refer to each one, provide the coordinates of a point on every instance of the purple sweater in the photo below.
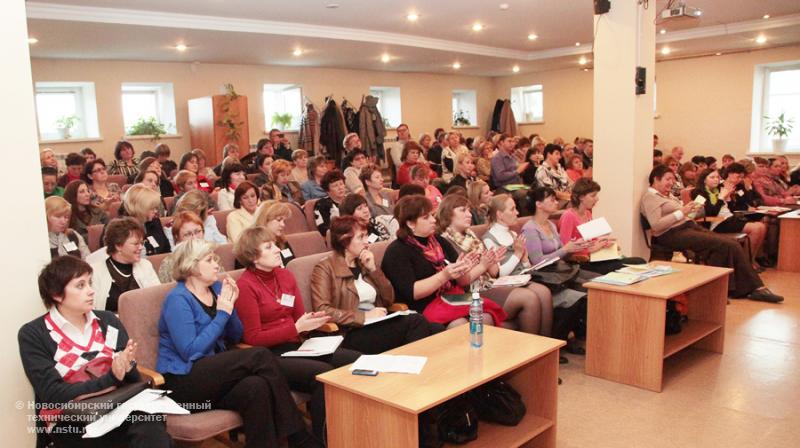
(540, 245)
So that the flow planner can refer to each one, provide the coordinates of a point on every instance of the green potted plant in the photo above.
(460, 118)
(65, 125)
(780, 127)
(282, 121)
(148, 126)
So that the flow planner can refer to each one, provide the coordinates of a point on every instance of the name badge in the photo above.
(334, 212)
(385, 202)
(319, 219)
(152, 241)
(287, 253)
(740, 192)
(69, 246)
(372, 238)
(203, 184)
(287, 300)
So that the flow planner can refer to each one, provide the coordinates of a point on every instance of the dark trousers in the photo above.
(150, 433)
(389, 334)
(604, 267)
(302, 373)
(717, 250)
(248, 381)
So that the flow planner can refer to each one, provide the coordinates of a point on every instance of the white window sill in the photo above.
(288, 131)
(150, 137)
(466, 127)
(789, 151)
(530, 122)
(71, 140)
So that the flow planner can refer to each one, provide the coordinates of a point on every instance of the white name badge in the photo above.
(287, 300)
(287, 253)
(203, 184)
(385, 202)
(319, 219)
(372, 238)
(152, 241)
(334, 212)
(740, 192)
(69, 246)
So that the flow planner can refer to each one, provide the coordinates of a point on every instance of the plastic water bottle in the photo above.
(476, 321)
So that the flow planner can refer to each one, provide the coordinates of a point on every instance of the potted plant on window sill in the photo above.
(282, 121)
(781, 128)
(65, 125)
(461, 119)
(148, 126)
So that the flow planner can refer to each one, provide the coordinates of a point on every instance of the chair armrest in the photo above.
(330, 327)
(398, 307)
(156, 379)
(243, 345)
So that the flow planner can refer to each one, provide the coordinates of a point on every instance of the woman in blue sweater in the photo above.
(198, 324)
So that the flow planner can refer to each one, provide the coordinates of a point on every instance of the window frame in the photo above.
(533, 88)
(469, 95)
(281, 88)
(165, 103)
(85, 109)
(760, 141)
(389, 96)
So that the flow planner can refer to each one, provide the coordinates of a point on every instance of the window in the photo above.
(280, 100)
(465, 109)
(776, 91)
(388, 104)
(527, 102)
(57, 102)
(148, 100)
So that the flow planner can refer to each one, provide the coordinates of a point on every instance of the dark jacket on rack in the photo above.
(309, 131)
(507, 123)
(498, 107)
(332, 131)
(350, 117)
(371, 130)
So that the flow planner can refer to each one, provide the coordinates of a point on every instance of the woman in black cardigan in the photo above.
(73, 351)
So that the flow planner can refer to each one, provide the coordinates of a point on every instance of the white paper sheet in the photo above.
(375, 320)
(594, 229)
(391, 363)
(512, 280)
(148, 400)
(607, 253)
(316, 347)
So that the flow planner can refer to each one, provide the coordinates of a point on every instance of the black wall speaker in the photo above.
(602, 6)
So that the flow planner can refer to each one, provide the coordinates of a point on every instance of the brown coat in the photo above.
(333, 290)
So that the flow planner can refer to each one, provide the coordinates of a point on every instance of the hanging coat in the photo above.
(350, 117)
(498, 108)
(371, 129)
(507, 123)
(331, 133)
(309, 131)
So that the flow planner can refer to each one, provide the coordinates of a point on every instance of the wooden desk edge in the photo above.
(721, 272)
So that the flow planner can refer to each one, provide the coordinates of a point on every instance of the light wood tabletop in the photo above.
(688, 277)
(453, 367)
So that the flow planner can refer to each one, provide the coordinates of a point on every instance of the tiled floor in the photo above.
(747, 397)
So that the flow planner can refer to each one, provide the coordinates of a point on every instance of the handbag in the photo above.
(672, 323)
(454, 421)
(557, 276)
(91, 409)
(498, 402)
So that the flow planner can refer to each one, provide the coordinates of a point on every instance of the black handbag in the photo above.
(91, 409)
(558, 276)
(454, 421)
(672, 323)
(498, 402)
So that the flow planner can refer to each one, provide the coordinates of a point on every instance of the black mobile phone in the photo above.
(365, 372)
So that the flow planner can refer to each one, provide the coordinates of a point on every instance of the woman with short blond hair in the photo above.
(272, 215)
(143, 204)
(63, 240)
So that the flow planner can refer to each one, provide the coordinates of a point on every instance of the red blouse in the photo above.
(265, 320)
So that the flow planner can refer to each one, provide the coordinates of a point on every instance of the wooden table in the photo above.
(382, 411)
(625, 339)
(789, 243)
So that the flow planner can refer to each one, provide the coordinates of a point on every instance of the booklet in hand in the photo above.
(316, 347)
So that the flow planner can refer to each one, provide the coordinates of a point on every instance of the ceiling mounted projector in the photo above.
(681, 11)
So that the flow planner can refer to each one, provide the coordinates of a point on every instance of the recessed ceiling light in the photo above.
(665, 51)
(32, 40)
(515, 69)
(456, 65)
(582, 60)
(766, 16)
(586, 69)
(412, 17)
(761, 39)
(385, 58)
(332, 5)
(577, 44)
(180, 47)
(477, 27)
(718, 54)
(297, 52)
(663, 31)
(532, 36)
(504, 6)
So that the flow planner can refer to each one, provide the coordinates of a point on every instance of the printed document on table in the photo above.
(316, 347)
(391, 363)
(594, 229)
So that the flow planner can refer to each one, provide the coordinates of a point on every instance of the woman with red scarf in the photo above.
(422, 266)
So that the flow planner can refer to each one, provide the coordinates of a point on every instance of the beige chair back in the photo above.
(95, 232)
(479, 230)
(302, 268)
(306, 243)
(308, 210)
(139, 311)
(226, 257)
(378, 249)
(297, 222)
(222, 220)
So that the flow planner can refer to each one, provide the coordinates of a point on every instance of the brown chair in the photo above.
(302, 267)
(169, 203)
(517, 227)
(156, 260)
(95, 232)
(119, 179)
(222, 220)
(378, 249)
(479, 230)
(113, 209)
(139, 311)
(252, 177)
(308, 210)
(306, 243)
(226, 257)
(297, 222)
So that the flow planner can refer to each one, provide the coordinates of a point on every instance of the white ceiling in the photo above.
(355, 34)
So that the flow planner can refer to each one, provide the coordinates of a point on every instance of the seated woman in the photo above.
(356, 206)
(575, 167)
(63, 240)
(233, 174)
(530, 307)
(264, 165)
(123, 268)
(204, 171)
(479, 195)
(272, 215)
(273, 316)
(150, 180)
(483, 165)
(718, 196)
(353, 164)
(186, 226)
(103, 192)
(281, 187)
(584, 198)
(551, 175)
(688, 174)
(328, 207)
(300, 171)
(533, 158)
(379, 199)
(420, 175)
(422, 266)
(164, 185)
(198, 324)
(84, 214)
(143, 204)
(465, 170)
(196, 201)
(73, 351)
(410, 158)
(191, 162)
(671, 227)
(245, 203)
(312, 188)
(124, 161)
(674, 165)
(348, 287)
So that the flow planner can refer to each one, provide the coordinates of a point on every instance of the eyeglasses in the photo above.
(196, 232)
(98, 170)
(214, 258)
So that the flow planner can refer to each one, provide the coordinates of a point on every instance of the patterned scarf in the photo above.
(433, 252)
(468, 242)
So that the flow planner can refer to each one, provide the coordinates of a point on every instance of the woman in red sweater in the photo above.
(272, 314)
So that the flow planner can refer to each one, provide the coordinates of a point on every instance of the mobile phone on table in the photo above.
(365, 372)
